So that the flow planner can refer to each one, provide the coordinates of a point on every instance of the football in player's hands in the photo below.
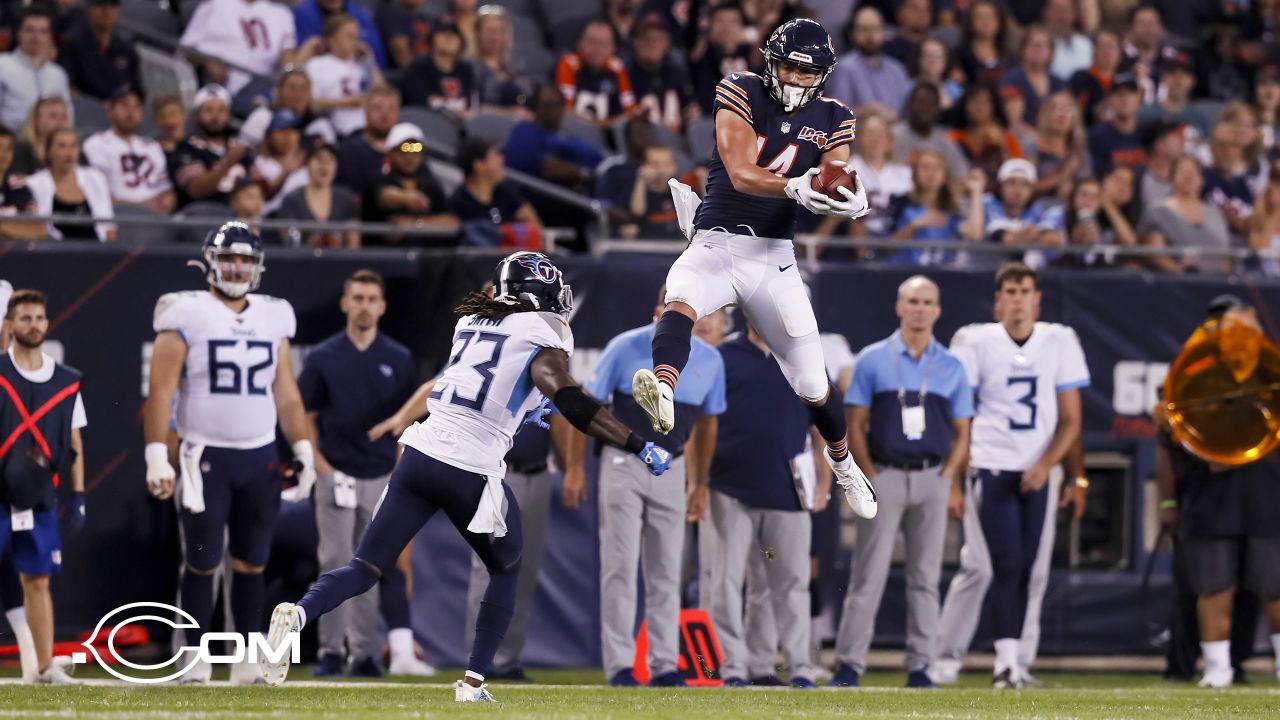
(831, 177)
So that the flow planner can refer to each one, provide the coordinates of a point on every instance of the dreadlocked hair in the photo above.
(488, 308)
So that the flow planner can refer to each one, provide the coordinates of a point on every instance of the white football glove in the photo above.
(159, 470)
(855, 203)
(801, 190)
(306, 477)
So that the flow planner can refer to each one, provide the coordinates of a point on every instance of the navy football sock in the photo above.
(336, 587)
(494, 618)
(671, 343)
(248, 595)
(393, 599)
(828, 418)
(197, 600)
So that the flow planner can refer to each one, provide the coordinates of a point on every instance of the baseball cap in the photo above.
(1158, 129)
(1178, 60)
(404, 133)
(212, 91)
(1268, 73)
(283, 120)
(1017, 168)
(1124, 81)
(122, 90)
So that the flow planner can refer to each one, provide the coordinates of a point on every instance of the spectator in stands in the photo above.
(865, 78)
(623, 17)
(537, 147)
(1093, 220)
(1031, 76)
(15, 197)
(722, 51)
(280, 164)
(1061, 153)
(247, 203)
(292, 93)
(981, 54)
(48, 114)
(342, 76)
(1116, 141)
(1183, 219)
(321, 201)
(310, 16)
(499, 83)
(914, 19)
(648, 200)
(1165, 143)
(29, 72)
(1072, 49)
(981, 132)
(488, 205)
(442, 80)
(360, 156)
(931, 63)
(618, 172)
(463, 14)
(1266, 103)
(97, 58)
(1143, 48)
(1264, 223)
(1014, 106)
(133, 164)
(928, 211)
(919, 130)
(661, 81)
(1177, 81)
(1010, 218)
(1227, 178)
(405, 28)
(1090, 86)
(207, 165)
(593, 80)
(170, 119)
(407, 193)
(881, 175)
(256, 35)
(68, 188)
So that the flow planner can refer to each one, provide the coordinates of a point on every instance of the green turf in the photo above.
(1061, 696)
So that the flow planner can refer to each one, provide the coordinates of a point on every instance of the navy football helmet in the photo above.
(804, 43)
(532, 279)
(234, 238)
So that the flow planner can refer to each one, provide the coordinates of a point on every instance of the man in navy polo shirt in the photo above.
(764, 483)
(349, 383)
(642, 518)
(909, 409)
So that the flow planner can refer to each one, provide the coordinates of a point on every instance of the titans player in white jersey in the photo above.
(772, 134)
(225, 352)
(510, 355)
(1026, 377)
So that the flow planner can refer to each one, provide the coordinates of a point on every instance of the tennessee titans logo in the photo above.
(539, 266)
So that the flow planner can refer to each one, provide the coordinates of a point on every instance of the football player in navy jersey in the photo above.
(772, 134)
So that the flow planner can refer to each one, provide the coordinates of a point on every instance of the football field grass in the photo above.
(580, 694)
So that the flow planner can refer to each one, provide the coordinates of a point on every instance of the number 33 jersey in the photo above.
(483, 394)
(1016, 390)
(225, 397)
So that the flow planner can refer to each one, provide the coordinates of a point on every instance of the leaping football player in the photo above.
(772, 133)
(510, 354)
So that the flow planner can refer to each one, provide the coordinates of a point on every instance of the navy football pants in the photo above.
(1012, 522)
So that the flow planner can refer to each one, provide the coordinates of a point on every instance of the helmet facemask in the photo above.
(793, 97)
(224, 273)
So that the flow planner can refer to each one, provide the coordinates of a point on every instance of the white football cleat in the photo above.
(199, 674)
(410, 665)
(656, 398)
(462, 692)
(857, 488)
(284, 620)
(944, 672)
(54, 675)
(247, 673)
(1218, 679)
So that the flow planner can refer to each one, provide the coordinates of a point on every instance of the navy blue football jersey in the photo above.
(787, 145)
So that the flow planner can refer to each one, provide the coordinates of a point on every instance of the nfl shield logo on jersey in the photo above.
(786, 127)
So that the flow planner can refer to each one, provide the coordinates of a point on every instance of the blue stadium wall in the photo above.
(101, 300)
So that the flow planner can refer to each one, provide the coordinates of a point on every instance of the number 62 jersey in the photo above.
(483, 394)
(1016, 390)
(225, 397)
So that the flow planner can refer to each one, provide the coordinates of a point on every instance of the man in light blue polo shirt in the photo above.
(642, 518)
(909, 407)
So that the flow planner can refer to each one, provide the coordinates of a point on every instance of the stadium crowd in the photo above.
(1103, 124)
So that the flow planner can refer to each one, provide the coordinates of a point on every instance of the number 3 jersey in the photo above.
(787, 145)
(225, 397)
(481, 397)
(1016, 389)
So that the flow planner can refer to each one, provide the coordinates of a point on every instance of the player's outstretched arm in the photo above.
(413, 410)
(168, 356)
(550, 373)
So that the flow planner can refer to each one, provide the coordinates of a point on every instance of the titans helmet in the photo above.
(233, 238)
(804, 43)
(531, 279)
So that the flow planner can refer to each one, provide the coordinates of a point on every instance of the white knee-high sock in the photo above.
(17, 618)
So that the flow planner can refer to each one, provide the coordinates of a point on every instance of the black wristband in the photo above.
(635, 444)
